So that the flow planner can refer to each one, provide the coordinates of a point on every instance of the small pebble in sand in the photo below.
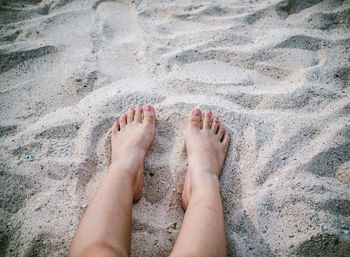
(30, 157)
(346, 232)
(172, 225)
(322, 227)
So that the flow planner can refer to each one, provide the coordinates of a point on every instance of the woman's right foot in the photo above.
(130, 139)
(206, 144)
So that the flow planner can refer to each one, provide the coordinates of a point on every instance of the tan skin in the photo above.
(105, 227)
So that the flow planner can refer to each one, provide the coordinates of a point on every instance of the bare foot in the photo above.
(131, 137)
(206, 145)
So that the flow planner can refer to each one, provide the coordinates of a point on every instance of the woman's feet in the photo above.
(206, 144)
(130, 139)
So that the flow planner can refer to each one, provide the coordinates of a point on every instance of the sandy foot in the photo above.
(131, 137)
(206, 143)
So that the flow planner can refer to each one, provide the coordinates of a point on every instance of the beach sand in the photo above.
(276, 72)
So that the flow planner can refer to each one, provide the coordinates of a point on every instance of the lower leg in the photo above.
(105, 228)
(106, 223)
(203, 231)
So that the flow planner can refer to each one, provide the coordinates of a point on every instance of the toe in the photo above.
(138, 114)
(114, 128)
(207, 119)
(226, 139)
(149, 114)
(221, 131)
(131, 114)
(122, 121)
(117, 125)
(215, 124)
(195, 118)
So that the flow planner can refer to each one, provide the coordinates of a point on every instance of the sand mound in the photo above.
(277, 72)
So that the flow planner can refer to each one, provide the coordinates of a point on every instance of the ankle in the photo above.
(206, 195)
(129, 159)
(204, 182)
(126, 165)
(206, 199)
(204, 166)
(203, 175)
(200, 187)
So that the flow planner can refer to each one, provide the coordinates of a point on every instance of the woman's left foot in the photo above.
(206, 143)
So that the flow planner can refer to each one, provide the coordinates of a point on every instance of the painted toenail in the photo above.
(131, 109)
(209, 112)
(216, 118)
(197, 112)
(148, 108)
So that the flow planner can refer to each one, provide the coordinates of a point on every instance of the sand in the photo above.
(277, 72)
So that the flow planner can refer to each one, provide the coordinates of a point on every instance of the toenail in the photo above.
(216, 118)
(227, 133)
(197, 112)
(209, 112)
(131, 109)
(148, 108)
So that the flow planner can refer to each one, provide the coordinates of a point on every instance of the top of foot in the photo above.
(133, 131)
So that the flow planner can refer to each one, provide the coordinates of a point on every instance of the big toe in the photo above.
(194, 119)
(149, 115)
